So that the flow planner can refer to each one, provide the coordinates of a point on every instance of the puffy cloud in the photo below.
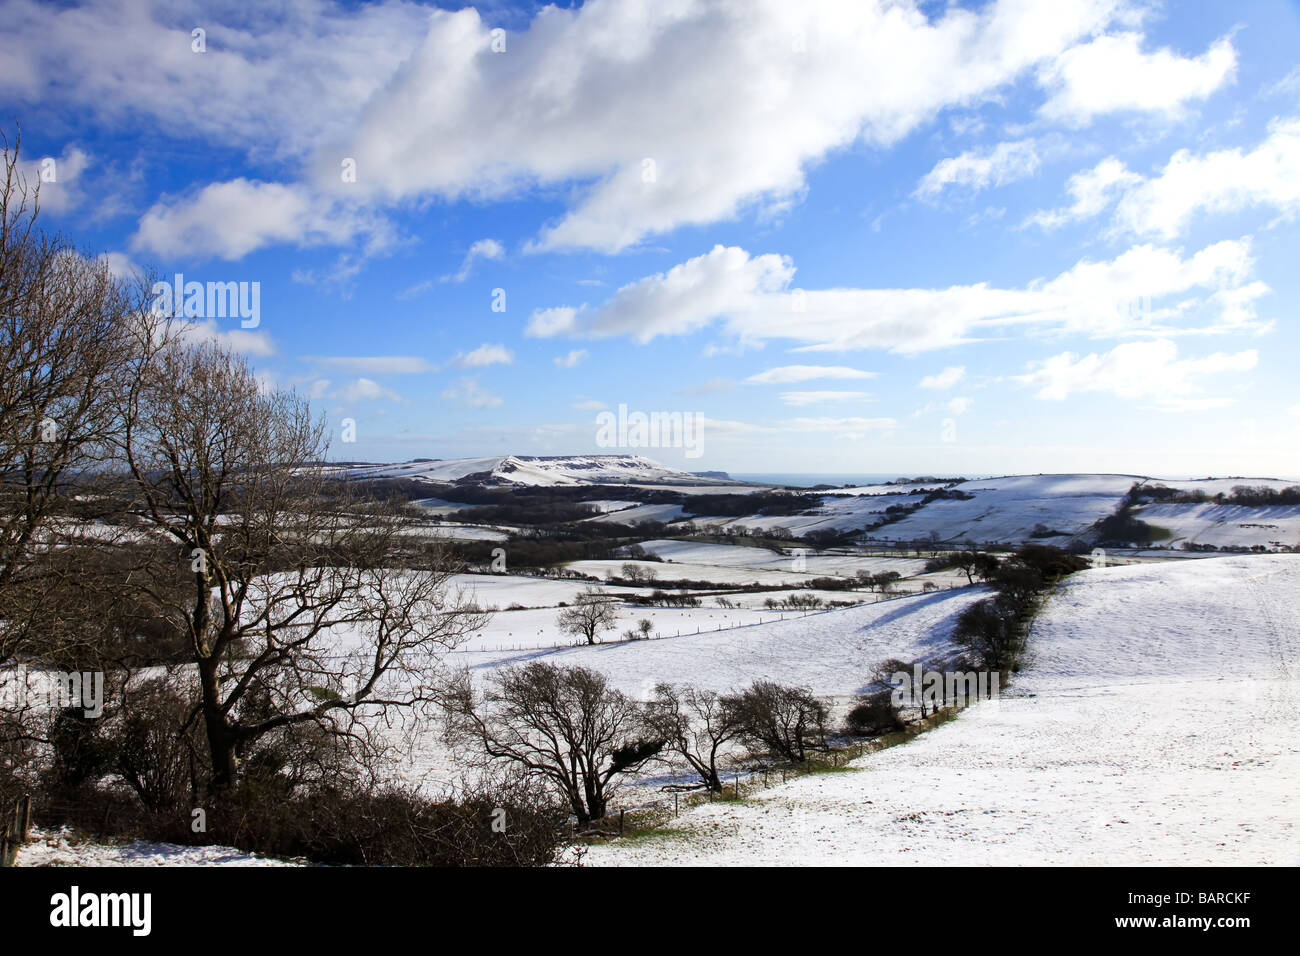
(243, 341)
(364, 389)
(374, 364)
(823, 397)
(662, 114)
(469, 392)
(788, 374)
(959, 406)
(1149, 371)
(1217, 182)
(228, 220)
(572, 359)
(750, 297)
(976, 170)
(945, 379)
(1111, 74)
(59, 181)
(683, 113)
(485, 355)
(547, 322)
(1092, 190)
(482, 249)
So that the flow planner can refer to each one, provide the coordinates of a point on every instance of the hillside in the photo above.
(538, 471)
(1137, 735)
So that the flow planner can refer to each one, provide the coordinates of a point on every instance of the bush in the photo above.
(987, 631)
(874, 714)
(396, 826)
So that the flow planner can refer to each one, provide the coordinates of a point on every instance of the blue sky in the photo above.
(850, 237)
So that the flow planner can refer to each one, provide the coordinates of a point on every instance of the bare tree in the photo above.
(697, 725)
(563, 724)
(591, 613)
(297, 610)
(62, 348)
(786, 722)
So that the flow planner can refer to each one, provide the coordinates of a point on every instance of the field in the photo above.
(1154, 724)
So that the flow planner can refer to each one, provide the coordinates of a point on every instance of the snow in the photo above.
(1226, 525)
(1154, 724)
(833, 652)
(50, 848)
(537, 471)
(639, 513)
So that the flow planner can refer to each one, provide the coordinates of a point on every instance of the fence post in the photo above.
(27, 816)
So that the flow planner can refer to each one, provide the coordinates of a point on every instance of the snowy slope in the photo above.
(1156, 724)
(1226, 525)
(833, 652)
(538, 471)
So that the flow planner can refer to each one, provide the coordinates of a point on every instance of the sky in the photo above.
(836, 237)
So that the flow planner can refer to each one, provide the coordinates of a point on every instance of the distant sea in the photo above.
(808, 480)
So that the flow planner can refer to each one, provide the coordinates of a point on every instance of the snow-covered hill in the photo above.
(1154, 724)
(539, 471)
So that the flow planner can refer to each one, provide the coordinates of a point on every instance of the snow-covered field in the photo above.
(1156, 723)
(1225, 525)
(834, 653)
(639, 513)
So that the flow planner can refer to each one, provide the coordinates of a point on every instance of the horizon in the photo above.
(1059, 241)
(880, 476)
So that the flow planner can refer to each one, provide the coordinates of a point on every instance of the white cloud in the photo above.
(1092, 190)
(1111, 74)
(572, 359)
(706, 110)
(848, 429)
(788, 374)
(959, 406)
(485, 355)
(823, 397)
(374, 364)
(547, 322)
(483, 249)
(364, 389)
(309, 67)
(1003, 164)
(945, 379)
(58, 180)
(243, 341)
(228, 220)
(1218, 182)
(1149, 371)
(752, 299)
(121, 265)
(590, 405)
(469, 392)
(730, 111)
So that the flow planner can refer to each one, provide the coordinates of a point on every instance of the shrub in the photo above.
(874, 714)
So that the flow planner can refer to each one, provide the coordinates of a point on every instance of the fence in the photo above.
(16, 825)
